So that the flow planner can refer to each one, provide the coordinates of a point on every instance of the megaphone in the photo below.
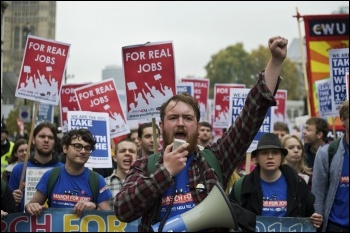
(214, 211)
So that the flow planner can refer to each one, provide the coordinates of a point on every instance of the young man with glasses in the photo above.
(72, 188)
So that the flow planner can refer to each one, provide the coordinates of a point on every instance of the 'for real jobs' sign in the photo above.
(42, 70)
(68, 102)
(103, 97)
(149, 78)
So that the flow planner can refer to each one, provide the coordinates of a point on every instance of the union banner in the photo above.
(323, 33)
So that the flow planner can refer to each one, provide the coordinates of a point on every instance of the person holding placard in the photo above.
(44, 141)
(73, 183)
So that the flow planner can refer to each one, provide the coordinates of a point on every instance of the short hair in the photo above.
(46, 124)
(206, 124)
(279, 125)
(123, 140)
(321, 126)
(183, 97)
(81, 133)
(344, 110)
(146, 125)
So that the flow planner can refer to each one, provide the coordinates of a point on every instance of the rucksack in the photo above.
(207, 154)
(93, 182)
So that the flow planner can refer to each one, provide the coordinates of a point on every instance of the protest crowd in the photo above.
(172, 163)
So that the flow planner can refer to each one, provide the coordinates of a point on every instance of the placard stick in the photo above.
(303, 62)
(247, 163)
(29, 145)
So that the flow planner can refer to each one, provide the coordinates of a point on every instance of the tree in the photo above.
(11, 121)
(231, 65)
(289, 71)
(235, 65)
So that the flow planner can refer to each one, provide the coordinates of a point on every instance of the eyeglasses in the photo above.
(79, 147)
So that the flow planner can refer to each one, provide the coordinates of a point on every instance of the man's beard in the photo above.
(191, 139)
(44, 153)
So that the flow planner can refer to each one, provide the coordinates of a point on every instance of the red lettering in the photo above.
(45, 226)
(13, 224)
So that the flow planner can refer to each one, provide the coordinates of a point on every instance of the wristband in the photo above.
(95, 205)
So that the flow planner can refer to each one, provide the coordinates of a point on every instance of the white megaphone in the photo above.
(214, 211)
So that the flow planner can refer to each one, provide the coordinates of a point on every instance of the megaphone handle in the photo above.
(162, 222)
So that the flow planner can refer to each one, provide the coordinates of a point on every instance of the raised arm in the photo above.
(278, 49)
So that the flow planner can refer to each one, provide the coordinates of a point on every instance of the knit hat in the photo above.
(269, 141)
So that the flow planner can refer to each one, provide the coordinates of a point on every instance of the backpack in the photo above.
(93, 182)
(207, 154)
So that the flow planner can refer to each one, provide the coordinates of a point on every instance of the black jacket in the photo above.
(300, 201)
(8, 203)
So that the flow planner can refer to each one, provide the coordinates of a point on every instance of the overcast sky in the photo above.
(98, 30)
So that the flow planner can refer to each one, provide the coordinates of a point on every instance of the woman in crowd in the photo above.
(18, 155)
(296, 157)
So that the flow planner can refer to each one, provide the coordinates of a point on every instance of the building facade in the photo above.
(20, 19)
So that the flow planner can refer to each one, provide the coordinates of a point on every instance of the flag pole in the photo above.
(303, 62)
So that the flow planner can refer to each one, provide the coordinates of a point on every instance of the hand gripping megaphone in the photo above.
(214, 211)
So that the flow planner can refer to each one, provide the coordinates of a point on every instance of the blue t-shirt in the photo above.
(274, 197)
(183, 199)
(70, 189)
(17, 173)
(340, 212)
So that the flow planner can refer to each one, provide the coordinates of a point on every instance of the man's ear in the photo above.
(319, 135)
(64, 148)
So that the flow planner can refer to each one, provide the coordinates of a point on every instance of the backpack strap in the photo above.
(332, 149)
(55, 172)
(237, 187)
(213, 163)
(94, 185)
(151, 162)
(151, 166)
